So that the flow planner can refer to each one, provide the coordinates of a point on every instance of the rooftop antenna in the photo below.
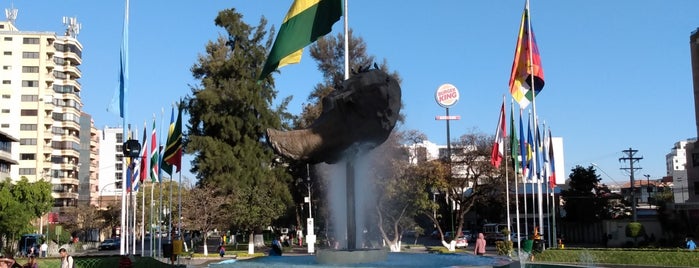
(11, 14)
(72, 26)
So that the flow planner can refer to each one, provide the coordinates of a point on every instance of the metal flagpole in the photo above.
(536, 124)
(150, 221)
(516, 182)
(346, 29)
(143, 214)
(524, 180)
(134, 200)
(507, 176)
(124, 112)
(160, 186)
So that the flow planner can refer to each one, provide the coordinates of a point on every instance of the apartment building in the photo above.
(41, 106)
(6, 160)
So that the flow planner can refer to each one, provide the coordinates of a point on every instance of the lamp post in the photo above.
(310, 236)
(99, 203)
(648, 189)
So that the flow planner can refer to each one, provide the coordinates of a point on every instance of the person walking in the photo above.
(690, 243)
(479, 249)
(66, 260)
(44, 248)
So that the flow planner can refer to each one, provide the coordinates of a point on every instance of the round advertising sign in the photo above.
(446, 95)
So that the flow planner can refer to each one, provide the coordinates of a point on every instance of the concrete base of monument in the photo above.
(350, 256)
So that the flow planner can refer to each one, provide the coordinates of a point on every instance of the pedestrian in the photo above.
(44, 248)
(276, 248)
(690, 243)
(479, 249)
(32, 263)
(66, 260)
(221, 250)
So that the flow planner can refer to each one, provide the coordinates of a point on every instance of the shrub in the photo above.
(503, 247)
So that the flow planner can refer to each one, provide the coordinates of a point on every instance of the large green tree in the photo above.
(229, 113)
(20, 203)
(582, 200)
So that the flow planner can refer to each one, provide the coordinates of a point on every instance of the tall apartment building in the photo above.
(111, 165)
(675, 164)
(41, 106)
(692, 148)
(88, 165)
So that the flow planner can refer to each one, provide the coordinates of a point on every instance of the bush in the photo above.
(503, 247)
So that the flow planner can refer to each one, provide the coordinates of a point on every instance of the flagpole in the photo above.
(150, 222)
(160, 185)
(546, 171)
(507, 178)
(536, 125)
(143, 216)
(346, 29)
(124, 112)
(524, 180)
(516, 182)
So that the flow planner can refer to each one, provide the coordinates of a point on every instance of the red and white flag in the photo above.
(498, 152)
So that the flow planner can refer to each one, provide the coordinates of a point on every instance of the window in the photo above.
(7, 53)
(30, 98)
(6, 82)
(30, 69)
(696, 188)
(29, 112)
(8, 38)
(5, 96)
(29, 55)
(30, 40)
(5, 111)
(27, 171)
(27, 127)
(27, 156)
(30, 83)
(27, 141)
(5, 126)
(7, 67)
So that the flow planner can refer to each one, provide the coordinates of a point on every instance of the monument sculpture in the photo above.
(359, 114)
(362, 111)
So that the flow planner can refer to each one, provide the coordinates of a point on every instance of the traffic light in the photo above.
(132, 148)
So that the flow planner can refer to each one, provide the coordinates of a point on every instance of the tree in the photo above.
(229, 114)
(401, 194)
(473, 178)
(582, 203)
(81, 219)
(203, 211)
(20, 203)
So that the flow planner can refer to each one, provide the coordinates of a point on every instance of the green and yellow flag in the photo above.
(306, 21)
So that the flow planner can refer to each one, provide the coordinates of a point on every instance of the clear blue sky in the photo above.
(617, 72)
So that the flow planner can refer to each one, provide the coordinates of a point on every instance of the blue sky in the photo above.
(617, 72)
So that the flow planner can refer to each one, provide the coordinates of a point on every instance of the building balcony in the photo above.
(72, 125)
(69, 152)
(64, 195)
(73, 71)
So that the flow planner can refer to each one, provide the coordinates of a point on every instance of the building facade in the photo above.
(692, 148)
(41, 106)
(676, 166)
(111, 166)
(88, 166)
(6, 161)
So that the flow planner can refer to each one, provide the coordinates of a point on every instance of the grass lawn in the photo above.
(650, 257)
(101, 262)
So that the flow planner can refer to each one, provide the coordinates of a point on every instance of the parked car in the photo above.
(110, 244)
(461, 241)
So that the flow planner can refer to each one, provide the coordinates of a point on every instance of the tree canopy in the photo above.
(22, 202)
(229, 113)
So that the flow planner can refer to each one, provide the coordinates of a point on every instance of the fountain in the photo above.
(356, 118)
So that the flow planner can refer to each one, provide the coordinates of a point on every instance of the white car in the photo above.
(461, 242)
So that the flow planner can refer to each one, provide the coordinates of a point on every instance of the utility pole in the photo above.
(630, 156)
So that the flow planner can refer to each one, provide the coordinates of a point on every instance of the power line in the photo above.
(632, 159)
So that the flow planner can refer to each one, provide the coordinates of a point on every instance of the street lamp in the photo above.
(99, 203)
(310, 236)
(648, 189)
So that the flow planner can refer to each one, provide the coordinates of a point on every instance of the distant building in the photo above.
(40, 105)
(111, 165)
(6, 161)
(676, 166)
(692, 148)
